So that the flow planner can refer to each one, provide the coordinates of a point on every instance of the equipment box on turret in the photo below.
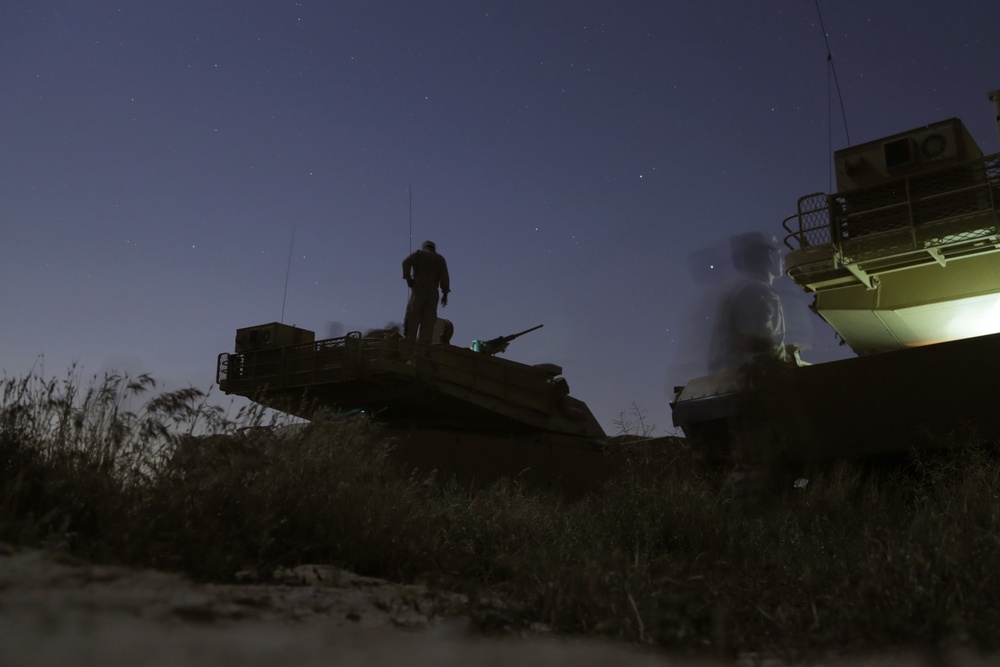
(270, 335)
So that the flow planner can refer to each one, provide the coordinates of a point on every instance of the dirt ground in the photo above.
(55, 610)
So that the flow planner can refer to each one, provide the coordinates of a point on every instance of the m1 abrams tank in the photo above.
(903, 264)
(463, 412)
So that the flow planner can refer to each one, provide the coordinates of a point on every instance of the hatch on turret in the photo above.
(905, 253)
(933, 146)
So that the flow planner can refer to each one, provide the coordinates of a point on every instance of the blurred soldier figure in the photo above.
(424, 271)
(750, 336)
(750, 326)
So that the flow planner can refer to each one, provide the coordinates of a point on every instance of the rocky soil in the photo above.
(55, 610)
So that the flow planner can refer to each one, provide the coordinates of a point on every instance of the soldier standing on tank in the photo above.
(424, 271)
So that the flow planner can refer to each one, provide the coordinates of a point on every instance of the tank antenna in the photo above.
(995, 98)
(409, 250)
(832, 72)
(288, 271)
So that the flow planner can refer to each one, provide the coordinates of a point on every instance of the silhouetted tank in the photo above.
(903, 263)
(458, 410)
(401, 383)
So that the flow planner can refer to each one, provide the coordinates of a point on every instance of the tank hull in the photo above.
(895, 402)
(569, 465)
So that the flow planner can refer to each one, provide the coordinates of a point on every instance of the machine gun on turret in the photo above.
(499, 344)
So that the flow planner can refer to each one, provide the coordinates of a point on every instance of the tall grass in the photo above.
(661, 555)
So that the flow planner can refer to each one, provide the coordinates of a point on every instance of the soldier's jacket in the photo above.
(428, 269)
(750, 323)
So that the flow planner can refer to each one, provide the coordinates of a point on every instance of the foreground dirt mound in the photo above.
(55, 610)
(47, 584)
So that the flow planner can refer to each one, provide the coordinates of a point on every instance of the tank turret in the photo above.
(904, 254)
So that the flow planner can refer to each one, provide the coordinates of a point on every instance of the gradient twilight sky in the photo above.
(579, 164)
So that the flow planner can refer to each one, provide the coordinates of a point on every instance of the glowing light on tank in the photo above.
(977, 317)
(954, 320)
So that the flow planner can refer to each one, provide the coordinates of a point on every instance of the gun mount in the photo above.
(499, 344)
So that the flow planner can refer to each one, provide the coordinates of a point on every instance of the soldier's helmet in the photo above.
(428, 245)
(754, 252)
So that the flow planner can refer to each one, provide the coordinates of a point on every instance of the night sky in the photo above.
(172, 171)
